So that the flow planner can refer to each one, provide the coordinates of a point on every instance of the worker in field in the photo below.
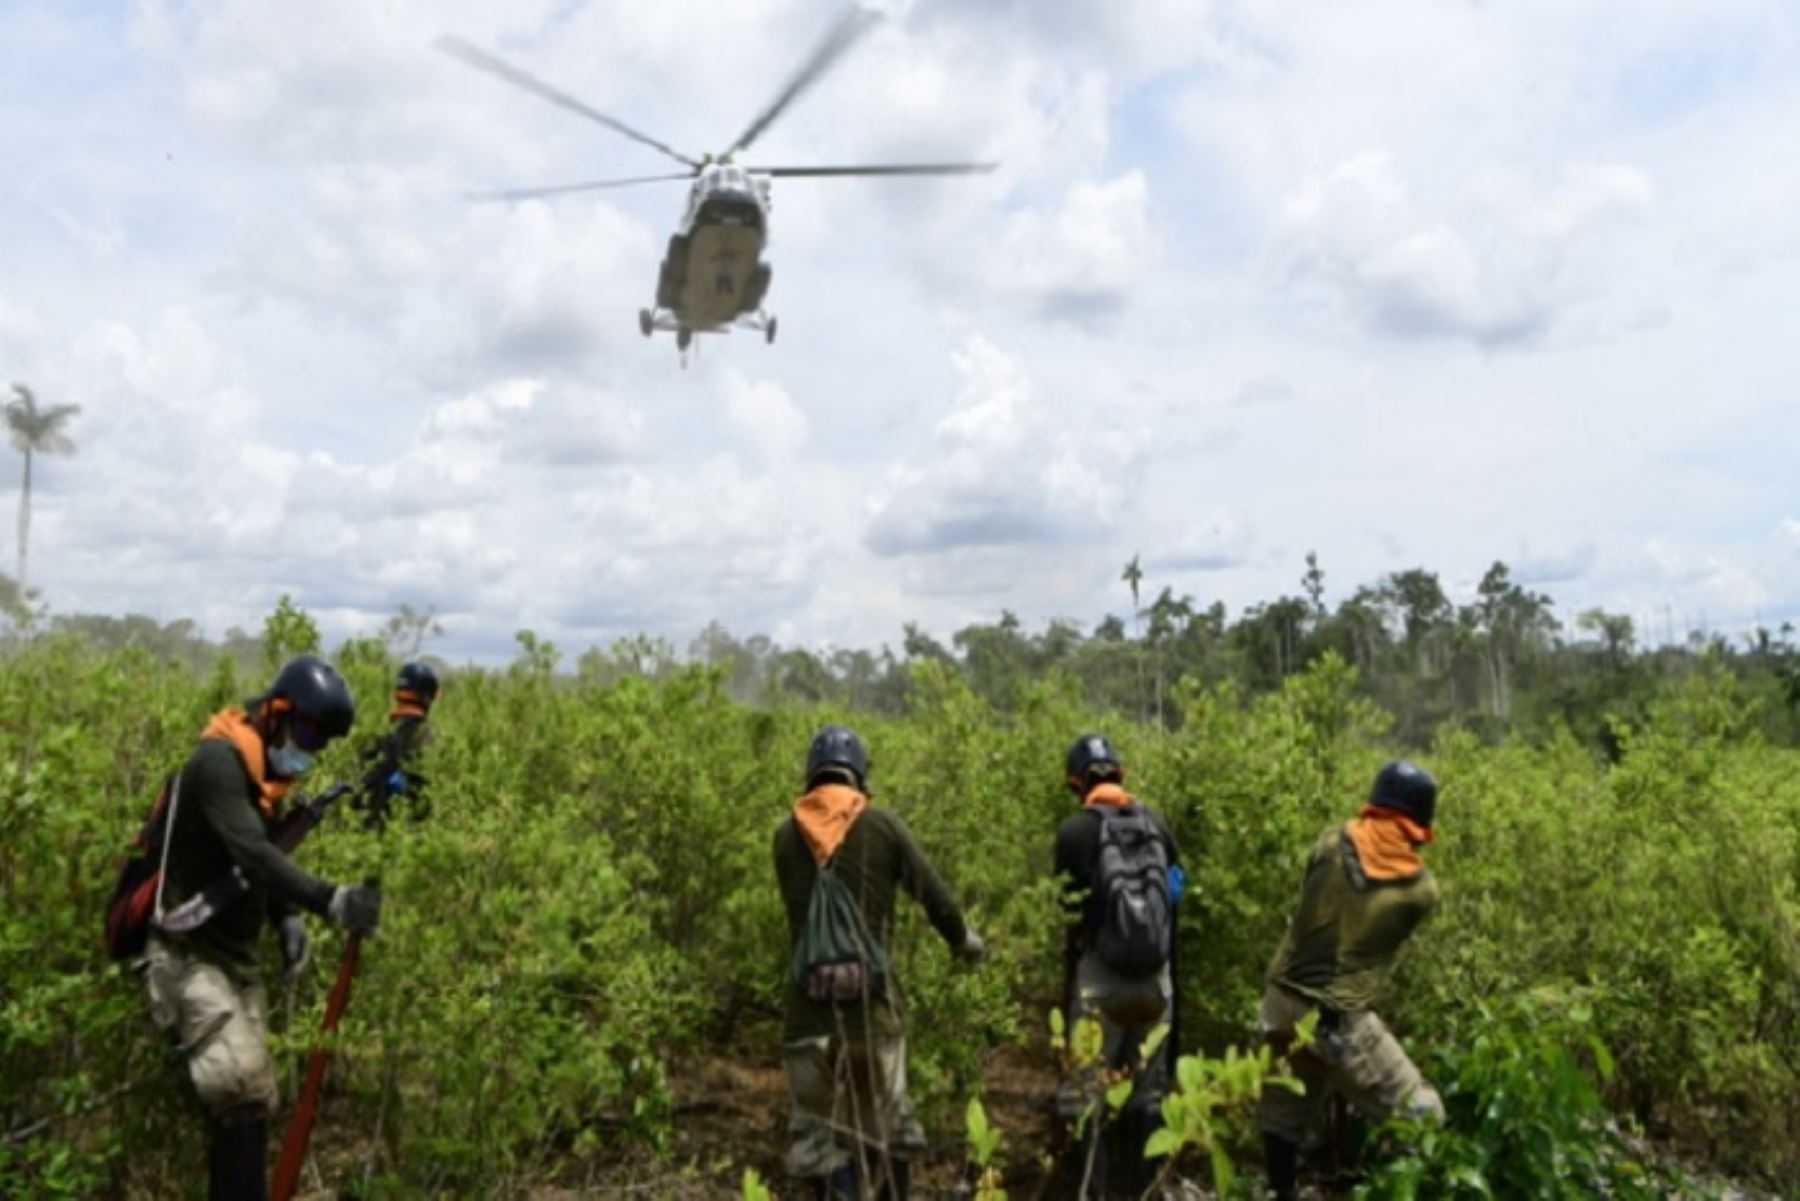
(203, 969)
(840, 861)
(1366, 890)
(392, 771)
(1122, 875)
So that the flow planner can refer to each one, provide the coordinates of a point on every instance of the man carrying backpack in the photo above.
(392, 763)
(1366, 890)
(204, 983)
(839, 861)
(1122, 876)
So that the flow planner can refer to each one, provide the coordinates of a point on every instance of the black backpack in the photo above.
(1135, 930)
(836, 959)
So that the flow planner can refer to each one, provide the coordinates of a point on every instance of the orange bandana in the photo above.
(1107, 794)
(825, 815)
(1387, 843)
(233, 725)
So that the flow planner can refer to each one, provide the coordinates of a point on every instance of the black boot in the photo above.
(897, 1183)
(841, 1185)
(1130, 1166)
(1282, 1159)
(238, 1167)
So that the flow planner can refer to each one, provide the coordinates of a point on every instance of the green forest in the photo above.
(1505, 662)
(578, 977)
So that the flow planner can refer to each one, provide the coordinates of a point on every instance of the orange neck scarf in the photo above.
(825, 815)
(1387, 843)
(233, 725)
(407, 703)
(1107, 793)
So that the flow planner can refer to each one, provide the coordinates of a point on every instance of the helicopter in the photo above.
(713, 276)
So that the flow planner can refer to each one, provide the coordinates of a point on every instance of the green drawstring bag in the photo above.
(836, 960)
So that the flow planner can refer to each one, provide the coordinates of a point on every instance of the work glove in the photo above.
(356, 907)
(972, 949)
(296, 947)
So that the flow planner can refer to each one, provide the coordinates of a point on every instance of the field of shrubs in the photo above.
(1613, 980)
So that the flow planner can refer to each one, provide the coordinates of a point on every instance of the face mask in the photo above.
(288, 760)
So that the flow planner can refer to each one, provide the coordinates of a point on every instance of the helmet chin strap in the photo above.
(271, 711)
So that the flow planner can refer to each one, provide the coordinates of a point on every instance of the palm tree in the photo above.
(34, 431)
(1133, 575)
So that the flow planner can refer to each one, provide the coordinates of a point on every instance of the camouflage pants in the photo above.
(848, 1101)
(220, 1024)
(1361, 1060)
(1127, 1010)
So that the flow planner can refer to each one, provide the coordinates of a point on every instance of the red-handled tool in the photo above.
(299, 1131)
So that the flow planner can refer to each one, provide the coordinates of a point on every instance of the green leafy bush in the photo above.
(592, 899)
(1524, 1119)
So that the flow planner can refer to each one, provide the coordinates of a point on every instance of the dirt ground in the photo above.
(731, 1114)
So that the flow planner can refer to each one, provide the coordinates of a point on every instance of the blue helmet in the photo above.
(839, 747)
(1092, 757)
(317, 695)
(1404, 786)
(419, 680)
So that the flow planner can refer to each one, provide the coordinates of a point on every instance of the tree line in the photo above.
(1501, 663)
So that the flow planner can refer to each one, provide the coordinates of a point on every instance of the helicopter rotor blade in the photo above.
(837, 40)
(598, 185)
(877, 169)
(481, 60)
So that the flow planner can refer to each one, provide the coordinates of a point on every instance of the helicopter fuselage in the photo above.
(713, 275)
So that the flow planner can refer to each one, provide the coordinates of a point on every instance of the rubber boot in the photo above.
(1282, 1159)
(841, 1185)
(898, 1183)
(1130, 1166)
(238, 1167)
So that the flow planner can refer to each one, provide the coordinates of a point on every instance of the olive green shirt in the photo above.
(218, 826)
(1340, 948)
(877, 858)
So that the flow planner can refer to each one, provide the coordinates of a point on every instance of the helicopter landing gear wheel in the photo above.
(646, 322)
(769, 332)
(684, 338)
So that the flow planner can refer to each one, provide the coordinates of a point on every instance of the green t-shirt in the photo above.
(1341, 946)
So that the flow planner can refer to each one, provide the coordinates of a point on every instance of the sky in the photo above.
(1402, 283)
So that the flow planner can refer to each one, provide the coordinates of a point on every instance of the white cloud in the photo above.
(1086, 257)
(1215, 541)
(766, 416)
(1504, 270)
(530, 286)
(1004, 469)
(1711, 587)
(1536, 570)
(535, 424)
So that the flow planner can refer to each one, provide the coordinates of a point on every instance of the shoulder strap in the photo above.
(1130, 813)
(162, 871)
